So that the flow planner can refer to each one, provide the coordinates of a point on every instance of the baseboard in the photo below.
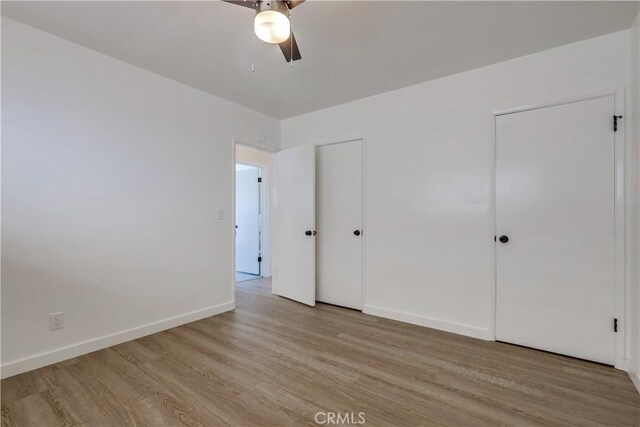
(635, 380)
(64, 353)
(430, 322)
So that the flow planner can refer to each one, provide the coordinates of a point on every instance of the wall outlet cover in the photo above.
(56, 321)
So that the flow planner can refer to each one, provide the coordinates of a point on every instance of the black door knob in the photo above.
(356, 233)
(503, 239)
(307, 233)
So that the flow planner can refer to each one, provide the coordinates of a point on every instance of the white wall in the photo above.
(429, 222)
(634, 215)
(112, 178)
(264, 159)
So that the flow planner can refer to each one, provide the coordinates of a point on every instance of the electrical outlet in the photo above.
(56, 321)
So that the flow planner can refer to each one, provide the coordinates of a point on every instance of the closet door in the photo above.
(555, 229)
(295, 259)
(339, 220)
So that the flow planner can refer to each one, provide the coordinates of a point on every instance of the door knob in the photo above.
(356, 233)
(503, 239)
(307, 233)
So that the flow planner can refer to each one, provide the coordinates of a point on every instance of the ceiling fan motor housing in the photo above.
(275, 5)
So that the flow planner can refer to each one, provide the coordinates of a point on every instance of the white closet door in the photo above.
(247, 221)
(295, 225)
(339, 216)
(555, 204)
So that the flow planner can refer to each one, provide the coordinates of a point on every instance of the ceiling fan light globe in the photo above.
(272, 26)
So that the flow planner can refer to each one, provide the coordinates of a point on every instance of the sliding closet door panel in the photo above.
(339, 219)
(555, 227)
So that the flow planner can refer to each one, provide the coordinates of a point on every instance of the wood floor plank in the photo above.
(274, 362)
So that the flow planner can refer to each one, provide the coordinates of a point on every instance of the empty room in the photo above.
(289, 212)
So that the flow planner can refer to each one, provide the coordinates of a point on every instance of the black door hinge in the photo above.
(259, 179)
(615, 325)
(259, 259)
(615, 122)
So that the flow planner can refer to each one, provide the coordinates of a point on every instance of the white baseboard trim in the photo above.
(635, 380)
(430, 322)
(58, 355)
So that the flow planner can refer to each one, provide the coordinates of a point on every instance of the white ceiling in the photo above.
(350, 49)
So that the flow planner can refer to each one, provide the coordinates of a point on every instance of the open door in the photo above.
(295, 229)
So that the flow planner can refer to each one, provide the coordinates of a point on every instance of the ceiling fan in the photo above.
(272, 25)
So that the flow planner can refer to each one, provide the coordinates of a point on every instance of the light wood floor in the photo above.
(276, 362)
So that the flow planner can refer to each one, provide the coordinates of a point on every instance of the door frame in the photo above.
(621, 287)
(364, 205)
(232, 216)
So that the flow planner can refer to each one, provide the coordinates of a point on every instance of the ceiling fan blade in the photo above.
(251, 4)
(293, 3)
(289, 50)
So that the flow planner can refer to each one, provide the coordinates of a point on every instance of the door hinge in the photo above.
(259, 179)
(259, 259)
(615, 325)
(615, 122)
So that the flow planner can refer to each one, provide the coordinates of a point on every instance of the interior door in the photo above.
(247, 221)
(555, 225)
(339, 220)
(295, 224)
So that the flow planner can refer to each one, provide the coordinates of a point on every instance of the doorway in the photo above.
(248, 222)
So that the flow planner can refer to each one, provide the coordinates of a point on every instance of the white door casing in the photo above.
(339, 195)
(295, 259)
(555, 199)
